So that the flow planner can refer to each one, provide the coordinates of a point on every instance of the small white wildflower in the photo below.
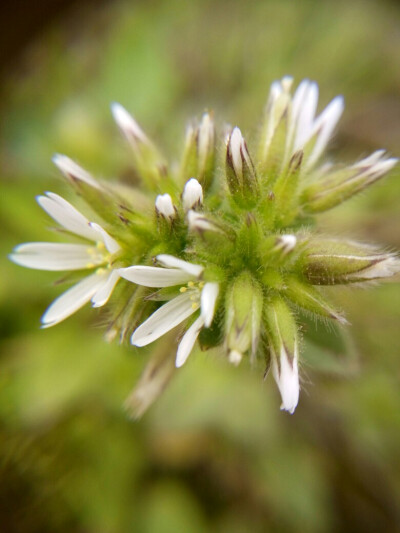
(194, 295)
(98, 286)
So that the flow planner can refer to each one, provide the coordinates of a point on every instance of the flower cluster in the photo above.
(223, 247)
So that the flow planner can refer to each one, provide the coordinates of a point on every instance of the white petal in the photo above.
(164, 319)
(286, 243)
(324, 126)
(198, 222)
(171, 261)
(297, 103)
(369, 160)
(72, 300)
(72, 170)
(384, 269)
(67, 216)
(306, 114)
(192, 194)
(287, 379)
(235, 146)
(187, 342)
(126, 122)
(164, 206)
(209, 296)
(56, 256)
(103, 294)
(154, 276)
(110, 243)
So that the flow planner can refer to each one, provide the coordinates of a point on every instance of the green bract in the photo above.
(223, 243)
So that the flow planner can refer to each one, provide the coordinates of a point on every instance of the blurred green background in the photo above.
(214, 453)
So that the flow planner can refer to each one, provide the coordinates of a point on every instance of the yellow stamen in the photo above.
(183, 289)
(191, 284)
(195, 306)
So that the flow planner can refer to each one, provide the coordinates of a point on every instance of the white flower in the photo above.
(192, 195)
(165, 207)
(96, 287)
(286, 374)
(303, 127)
(194, 295)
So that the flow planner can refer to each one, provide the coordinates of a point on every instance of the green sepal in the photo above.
(310, 299)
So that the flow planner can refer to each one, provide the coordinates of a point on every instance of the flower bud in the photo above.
(165, 207)
(282, 334)
(285, 243)
(192, 195)
(331, 262)
(155, 378)
(240, 172)
(243, 317)
(104, 200)
(285, 190)
(206, 150)
(274, 250)
(339, 185)
(202, 224)
(274, 130)
(149, 165)
(199, 152)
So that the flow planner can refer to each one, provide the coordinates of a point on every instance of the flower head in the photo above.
(226, 251)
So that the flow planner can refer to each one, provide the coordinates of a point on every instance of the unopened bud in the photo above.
(330, 262)
(74, 172)
(192, 196)
(274, 130)
(149, 165)
(165, 207)
(206, 150)
(103, 198)
(243, 318)
(339, 185)
(285, 243)
(153, 381)
(282, 333)
(275, 249)
(240, 172)
(200, 223)
(199, 153)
